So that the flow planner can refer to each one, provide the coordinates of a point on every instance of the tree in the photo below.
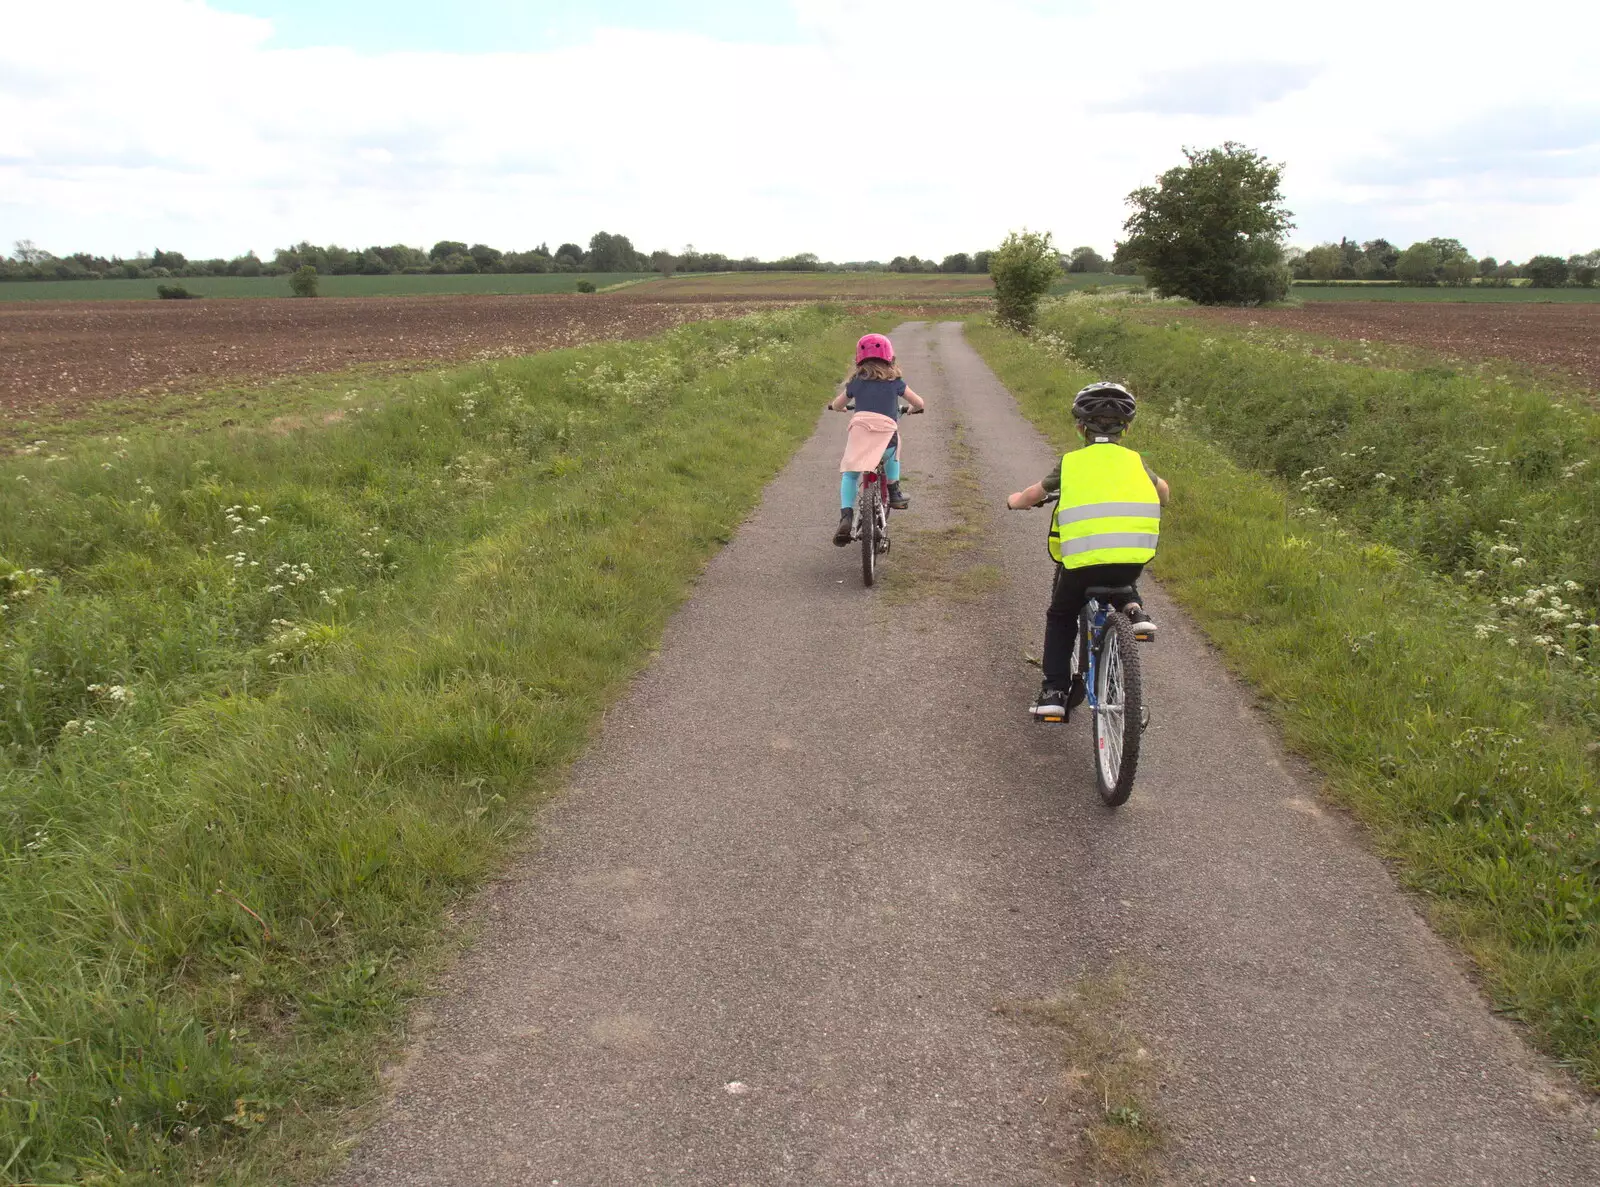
(1212, 230)
(1584, 274)
(1123, 262)
(569, 257)
(30, 253)
(1349, 258)
(663, 262)
(1378, 259)
(1546, 272)
(1085, 259)
(1023, 267)
(612, 253)
(446, 248)
(1324, 261)
(959, 262)
(303, 282)
(485, 257)
(1456, 265)
(1418, 264)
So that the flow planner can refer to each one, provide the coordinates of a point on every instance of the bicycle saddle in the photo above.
(1102, 593)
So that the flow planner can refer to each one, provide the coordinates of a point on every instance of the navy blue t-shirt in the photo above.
(877, 395)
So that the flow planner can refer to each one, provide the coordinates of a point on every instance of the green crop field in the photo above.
(1077, 282)
(329, 286)
(1384, 291)
(808, 285)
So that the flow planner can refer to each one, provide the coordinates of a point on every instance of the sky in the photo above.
(856, 129)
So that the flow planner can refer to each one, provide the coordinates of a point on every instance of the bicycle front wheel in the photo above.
(869, 533)
(1119, 709)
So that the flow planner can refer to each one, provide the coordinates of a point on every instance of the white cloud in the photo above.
(897, 126)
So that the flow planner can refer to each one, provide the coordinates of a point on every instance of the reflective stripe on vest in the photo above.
(1108, 512)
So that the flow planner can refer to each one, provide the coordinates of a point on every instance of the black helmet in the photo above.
(1104, 407)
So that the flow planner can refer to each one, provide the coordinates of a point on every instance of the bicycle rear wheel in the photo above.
(869, 532)
(1119, 710)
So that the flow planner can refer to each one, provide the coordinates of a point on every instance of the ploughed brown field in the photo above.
(59, 356)
(55, 356)
(1561, 336)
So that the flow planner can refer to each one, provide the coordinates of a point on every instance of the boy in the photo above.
(1103, 532)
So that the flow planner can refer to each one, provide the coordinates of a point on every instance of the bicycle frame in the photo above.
(879, 478)
(1094, 618)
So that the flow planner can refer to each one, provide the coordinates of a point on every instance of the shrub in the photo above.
(586, 286)
(1546, 272)
(174, 292)
(303, 281)
(1023, 267)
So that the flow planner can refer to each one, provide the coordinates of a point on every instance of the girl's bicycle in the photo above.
(1107, 660)
(872, 512)
(872, 520)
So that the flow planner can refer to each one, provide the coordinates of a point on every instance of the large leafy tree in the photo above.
(1212, 229)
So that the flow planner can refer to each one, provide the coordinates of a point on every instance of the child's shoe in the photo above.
(846, 528)
(897, 498)
(1051, 704)
(1144, 627)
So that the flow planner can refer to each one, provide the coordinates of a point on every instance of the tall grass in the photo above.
(272, 702)
(1491, 483)
(1468, 755)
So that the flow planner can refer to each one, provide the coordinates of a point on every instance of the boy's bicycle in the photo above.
(1107, 659)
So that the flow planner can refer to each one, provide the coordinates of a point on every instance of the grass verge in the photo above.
(1472, 760)
(270, 702)
(1110, 1079)
(946, 561)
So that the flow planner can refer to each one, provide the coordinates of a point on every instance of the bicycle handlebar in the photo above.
(851, 404)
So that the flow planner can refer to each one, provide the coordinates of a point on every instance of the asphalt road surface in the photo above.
(768, 934)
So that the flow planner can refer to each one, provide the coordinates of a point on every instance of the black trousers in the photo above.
(1067, 598)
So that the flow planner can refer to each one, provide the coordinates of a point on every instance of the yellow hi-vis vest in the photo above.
(1108, 512)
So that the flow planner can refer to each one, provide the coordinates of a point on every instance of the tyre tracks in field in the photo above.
(808, 897)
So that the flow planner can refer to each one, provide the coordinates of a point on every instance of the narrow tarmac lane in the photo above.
(764, 936)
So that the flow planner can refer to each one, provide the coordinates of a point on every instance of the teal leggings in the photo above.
(850, 480)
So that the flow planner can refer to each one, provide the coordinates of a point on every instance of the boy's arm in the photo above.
(837, 403)
(1034, 495)
(916, 401)
(1031, 497)
(1163, 491)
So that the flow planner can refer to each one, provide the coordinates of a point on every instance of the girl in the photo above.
(877, 388)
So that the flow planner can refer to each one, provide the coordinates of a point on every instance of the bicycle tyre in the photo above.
(1119, 710)
(869, 534)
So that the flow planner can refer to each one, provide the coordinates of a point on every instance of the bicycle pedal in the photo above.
(1143, 636)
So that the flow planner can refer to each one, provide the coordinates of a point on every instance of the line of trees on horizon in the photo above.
(606, 253)
(1435, 262)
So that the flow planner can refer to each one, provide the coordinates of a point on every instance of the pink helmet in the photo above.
(874, 346)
